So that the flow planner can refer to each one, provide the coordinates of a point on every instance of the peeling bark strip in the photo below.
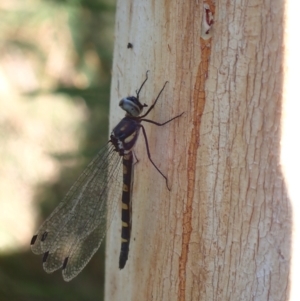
(199, 103)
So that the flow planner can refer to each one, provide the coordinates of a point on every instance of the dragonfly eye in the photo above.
(131, 105)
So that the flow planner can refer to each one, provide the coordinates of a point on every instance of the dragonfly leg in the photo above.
(138, 91)
(149, 156)
(161, 124)
(152, 106)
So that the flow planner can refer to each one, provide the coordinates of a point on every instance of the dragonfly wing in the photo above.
(82, 253)
(75, 229)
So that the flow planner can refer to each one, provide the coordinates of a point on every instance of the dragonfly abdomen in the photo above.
(126, 208)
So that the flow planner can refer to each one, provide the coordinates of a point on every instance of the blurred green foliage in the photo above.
(85, 80)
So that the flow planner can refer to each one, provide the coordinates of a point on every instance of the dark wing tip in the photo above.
(44, 236)
(33, 239)
(65, 263)
(45, 256)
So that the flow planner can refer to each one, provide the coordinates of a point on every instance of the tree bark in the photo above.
(290, 147)
(223, 231)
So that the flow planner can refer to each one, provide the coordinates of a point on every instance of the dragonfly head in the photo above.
(132, 106)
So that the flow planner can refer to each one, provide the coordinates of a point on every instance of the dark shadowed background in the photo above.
(55, 62)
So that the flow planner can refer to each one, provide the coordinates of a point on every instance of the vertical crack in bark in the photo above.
(199, 102)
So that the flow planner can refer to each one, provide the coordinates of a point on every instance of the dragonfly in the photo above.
(73, 232)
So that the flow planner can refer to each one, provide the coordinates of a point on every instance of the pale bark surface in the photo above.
(290, 147)
(223, 231)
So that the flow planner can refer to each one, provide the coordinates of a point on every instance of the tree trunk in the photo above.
(223, 231)
(290, 147)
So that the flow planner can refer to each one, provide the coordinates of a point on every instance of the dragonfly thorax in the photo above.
(132, 106)
(125, 134)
